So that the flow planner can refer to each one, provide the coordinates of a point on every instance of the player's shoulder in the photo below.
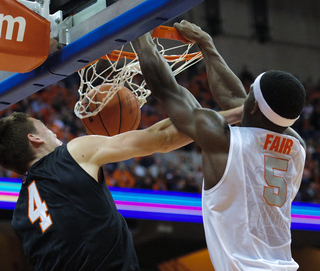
(86, 140)
(83, 148)
(83, 144)
(291, 132)
(208, 119)
(213, 130)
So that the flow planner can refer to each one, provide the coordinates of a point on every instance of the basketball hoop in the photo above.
(123, 69)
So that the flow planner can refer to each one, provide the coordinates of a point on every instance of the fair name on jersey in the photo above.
(278, 144)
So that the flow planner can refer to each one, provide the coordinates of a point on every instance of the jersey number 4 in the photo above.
(37, 209)
(276, 191)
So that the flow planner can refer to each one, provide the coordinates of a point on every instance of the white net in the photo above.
(123, 70)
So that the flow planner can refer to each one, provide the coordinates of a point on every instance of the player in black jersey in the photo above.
(65, 215)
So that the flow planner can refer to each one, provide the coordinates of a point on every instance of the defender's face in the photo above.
(46, 134)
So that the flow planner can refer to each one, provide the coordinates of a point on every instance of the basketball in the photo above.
(121, 114)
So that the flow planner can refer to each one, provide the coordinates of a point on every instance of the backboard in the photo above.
(89, 37)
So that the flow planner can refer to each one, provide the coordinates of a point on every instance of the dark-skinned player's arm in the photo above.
(183, 109)
(225, 86)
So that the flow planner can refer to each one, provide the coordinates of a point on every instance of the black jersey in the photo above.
(68, 221)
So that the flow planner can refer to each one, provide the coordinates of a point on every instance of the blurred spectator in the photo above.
(139, 171)
(148, 181)
(246, 77)
(110, 181)
(123, 176)
(191, 184)
(160, 182)
(315, 119)
(157, 167)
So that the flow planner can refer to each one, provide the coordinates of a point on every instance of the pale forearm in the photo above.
(175, 139)
(167, 137)
(232, 116)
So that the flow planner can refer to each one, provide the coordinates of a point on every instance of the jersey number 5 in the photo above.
(276, 191)
(37, 209)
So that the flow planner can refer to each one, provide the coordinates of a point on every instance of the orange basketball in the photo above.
(121, 114)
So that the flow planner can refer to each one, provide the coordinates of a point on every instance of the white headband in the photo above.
(266, 109)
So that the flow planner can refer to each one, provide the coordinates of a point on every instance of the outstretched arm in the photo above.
(202, 125)
(99, 150)
(178, 102)
(225, 86)
(160, 80)
(206, 127)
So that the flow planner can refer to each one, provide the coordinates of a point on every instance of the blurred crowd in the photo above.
(180, 170)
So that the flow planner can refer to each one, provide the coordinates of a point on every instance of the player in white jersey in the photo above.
(251, 173)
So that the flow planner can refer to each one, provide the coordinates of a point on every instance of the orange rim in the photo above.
(164, 32)
(116, 55)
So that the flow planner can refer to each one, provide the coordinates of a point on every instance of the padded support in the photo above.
(24, 38)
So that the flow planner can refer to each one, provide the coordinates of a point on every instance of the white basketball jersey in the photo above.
(247, 214)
